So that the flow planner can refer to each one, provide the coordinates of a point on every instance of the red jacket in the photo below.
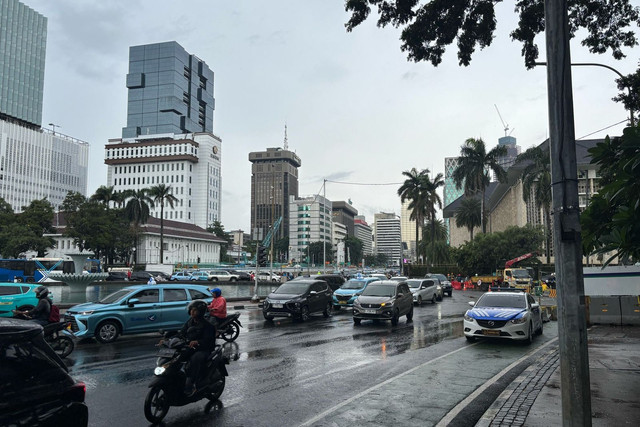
(218, 307)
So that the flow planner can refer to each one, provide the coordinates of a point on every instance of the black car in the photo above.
(160, 276)
(117, 276)
(242, 275)
(140, 276)
(36, 389)
(384, 300)
(445, 284)
(333, 280)
(298, 299)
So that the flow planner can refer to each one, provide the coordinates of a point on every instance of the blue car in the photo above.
(135, 309)
(16, 296)
(346, 294)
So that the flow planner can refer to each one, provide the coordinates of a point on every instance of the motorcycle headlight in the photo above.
(159, 370)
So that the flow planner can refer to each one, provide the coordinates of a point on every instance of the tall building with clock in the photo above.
(169, 134)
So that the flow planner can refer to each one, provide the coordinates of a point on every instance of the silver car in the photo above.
(424, 290)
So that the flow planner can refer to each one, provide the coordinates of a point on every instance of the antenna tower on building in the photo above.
(286, 142)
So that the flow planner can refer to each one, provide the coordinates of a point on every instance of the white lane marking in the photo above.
(465, 402)
(382, 384)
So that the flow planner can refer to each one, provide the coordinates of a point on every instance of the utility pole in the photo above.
(572, 332)
(324, 234)
(273, 202)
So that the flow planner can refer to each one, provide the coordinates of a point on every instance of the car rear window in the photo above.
(174, 295)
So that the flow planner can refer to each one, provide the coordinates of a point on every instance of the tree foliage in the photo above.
(611, 222)
(353, 247)
(630, 95)
(430, 26)
(317, 252)
(490, 251)
(24, 232)
(468, 214)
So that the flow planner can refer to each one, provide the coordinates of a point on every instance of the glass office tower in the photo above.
(170, 91)
(23, 40)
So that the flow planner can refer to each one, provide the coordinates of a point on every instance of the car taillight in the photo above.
(76, 392)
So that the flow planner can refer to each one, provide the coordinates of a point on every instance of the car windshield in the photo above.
(521, 274)
(110, 299)
(501, 300)
(354, 284)
(414, 283)
(440, 277)
(293, 288)
(379, 290)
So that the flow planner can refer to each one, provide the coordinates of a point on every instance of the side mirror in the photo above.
(472, 303)
(133, 301)
(536, 305)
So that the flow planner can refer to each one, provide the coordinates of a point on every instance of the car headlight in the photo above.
(468, 318)
(86, 313)
(519, 320)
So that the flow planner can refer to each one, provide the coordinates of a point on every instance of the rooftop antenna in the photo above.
(286, 142)
(506, 126)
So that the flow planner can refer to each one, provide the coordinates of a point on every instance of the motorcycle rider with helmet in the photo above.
(40, 313)
(202, 339)
(218, 307)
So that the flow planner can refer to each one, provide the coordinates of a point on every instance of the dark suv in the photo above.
(445, 284)
(36, 389)
(298, 299)
(384, 300)
(333, 280)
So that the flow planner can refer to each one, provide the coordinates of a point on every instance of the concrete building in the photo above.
(309, 221)
(338, 234)
(363, 232)
(190, 164)
(388, 237)
(274, 180)
(344, 213)
(408, 227)
(34, 163)
(23, 43)
(170, 91)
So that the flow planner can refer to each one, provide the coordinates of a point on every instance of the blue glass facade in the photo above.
(170, 91)
(23, 39)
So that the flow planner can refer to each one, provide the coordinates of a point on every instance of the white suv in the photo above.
(222, 276)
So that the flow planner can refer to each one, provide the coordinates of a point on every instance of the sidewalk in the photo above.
(535, 399)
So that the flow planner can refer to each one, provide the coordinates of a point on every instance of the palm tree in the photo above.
(536, 183)
(137, 210)
(473, 169)
(438, 249)
(413, 190)
(120, 197)
(161, 194)
(469, 214)
(432, 200)
(103, 194)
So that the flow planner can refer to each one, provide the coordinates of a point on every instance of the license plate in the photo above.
(342, 302)
(277, 305)
(369, 311)
(165, 352)
(490, 332)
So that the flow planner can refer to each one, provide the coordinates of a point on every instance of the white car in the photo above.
(424, 290)
(506, 315)
(222, 276)
(266, 277)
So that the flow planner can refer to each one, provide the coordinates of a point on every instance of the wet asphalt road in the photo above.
(291, 373)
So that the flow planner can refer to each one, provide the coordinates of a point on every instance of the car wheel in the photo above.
(274, 280)
(470, 339)
(395, 318)
(539, 331)
(328, 310)
(410, 314)
(304, 313)
(449, 293)
(25, 307)
(107, 332)
(439, 298)
(529, 339)
(214, 279)
(233, 279)
(419, 300)
(433, 299)
(156, 405)
(267, 317)
(356, 321)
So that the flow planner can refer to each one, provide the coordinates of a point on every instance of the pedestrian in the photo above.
(129, 274)
(151, 281)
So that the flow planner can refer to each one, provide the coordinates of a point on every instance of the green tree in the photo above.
(429, 27)
(119, 198)
(162, 194)
(72, 201)
(281, 248)
(536, 183)
(353, 247)
(473, 169)
(630, 95)
(435, 245)
(469, 214)
(37, 220)
(611, 222)
(317, 252)
(137, 211)
(414, 190)
(104, 194)
(218, 230)
(433, 200)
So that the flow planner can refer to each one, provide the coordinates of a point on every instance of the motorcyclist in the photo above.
(218, 307)
(201, 337)
(40, 313)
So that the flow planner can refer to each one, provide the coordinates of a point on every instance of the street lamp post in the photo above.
(54, 126)
(595, 64)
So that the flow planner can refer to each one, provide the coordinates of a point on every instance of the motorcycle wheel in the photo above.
(63, 346)
(230, 333)
(216, 395)
(156, 405)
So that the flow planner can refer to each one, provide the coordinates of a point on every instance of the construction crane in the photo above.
(506, 126)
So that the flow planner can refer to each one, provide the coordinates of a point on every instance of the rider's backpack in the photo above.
(54, 314)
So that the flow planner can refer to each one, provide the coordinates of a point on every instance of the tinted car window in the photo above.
(9, 290)
(147, 295)
(375, 290)
(197, 294)
(174, 295)
(292, 288)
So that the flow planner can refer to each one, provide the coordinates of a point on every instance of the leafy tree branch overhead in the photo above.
(429, 27)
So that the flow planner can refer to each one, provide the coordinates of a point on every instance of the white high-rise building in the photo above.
(408, 227)
(188, 163)
(363, 231)
(387, 235)
(309, 221)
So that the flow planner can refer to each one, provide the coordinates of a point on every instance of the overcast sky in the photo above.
(357, 111)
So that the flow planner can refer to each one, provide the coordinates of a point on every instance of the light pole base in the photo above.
(255, 298)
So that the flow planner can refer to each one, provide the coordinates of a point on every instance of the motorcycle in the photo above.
(229, 328)
(167, 386)
(58, 335)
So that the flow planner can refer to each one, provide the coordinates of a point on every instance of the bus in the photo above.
(36, 270)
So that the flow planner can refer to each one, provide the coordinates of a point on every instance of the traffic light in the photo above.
(262, 256)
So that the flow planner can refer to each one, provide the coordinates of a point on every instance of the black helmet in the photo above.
(199, 305)
(41, 292)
